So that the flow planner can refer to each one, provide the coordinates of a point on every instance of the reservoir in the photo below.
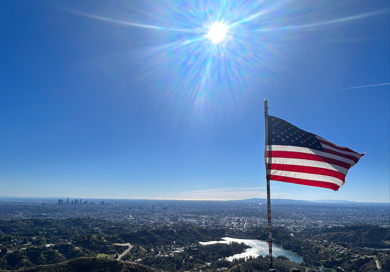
(256, 248)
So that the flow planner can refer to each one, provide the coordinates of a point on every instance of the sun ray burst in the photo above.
(211, 54)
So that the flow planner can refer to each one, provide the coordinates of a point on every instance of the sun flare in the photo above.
(217, 32)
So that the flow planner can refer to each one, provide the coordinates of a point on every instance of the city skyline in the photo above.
(135, 100)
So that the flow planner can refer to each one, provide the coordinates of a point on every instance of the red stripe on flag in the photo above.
(338, 147)
(306, 156)
(307, 169)
(321, 184)
(352, 158)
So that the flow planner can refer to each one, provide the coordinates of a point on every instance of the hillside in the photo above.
(91, 265)
(357, 236)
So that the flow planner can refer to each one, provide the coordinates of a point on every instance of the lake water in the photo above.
(256, 248)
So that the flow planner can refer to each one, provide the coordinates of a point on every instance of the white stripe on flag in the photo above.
(299, 149)
(324, 165)
(305, 176)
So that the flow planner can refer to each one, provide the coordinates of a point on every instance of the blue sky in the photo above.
(130, 99)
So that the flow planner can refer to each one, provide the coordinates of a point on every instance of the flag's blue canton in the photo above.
(281, 132)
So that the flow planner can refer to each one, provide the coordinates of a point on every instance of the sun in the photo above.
(217, 32)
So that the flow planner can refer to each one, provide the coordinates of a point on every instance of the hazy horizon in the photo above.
(55, 198)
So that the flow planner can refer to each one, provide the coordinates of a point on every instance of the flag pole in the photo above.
(268, 187)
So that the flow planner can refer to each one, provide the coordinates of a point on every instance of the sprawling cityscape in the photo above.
(165, 235)
(241, 215)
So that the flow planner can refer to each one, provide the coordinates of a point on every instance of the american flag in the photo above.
(297, 156)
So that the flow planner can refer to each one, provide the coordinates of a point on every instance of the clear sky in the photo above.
(132, 99)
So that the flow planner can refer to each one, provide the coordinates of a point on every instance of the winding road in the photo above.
(124, 252)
